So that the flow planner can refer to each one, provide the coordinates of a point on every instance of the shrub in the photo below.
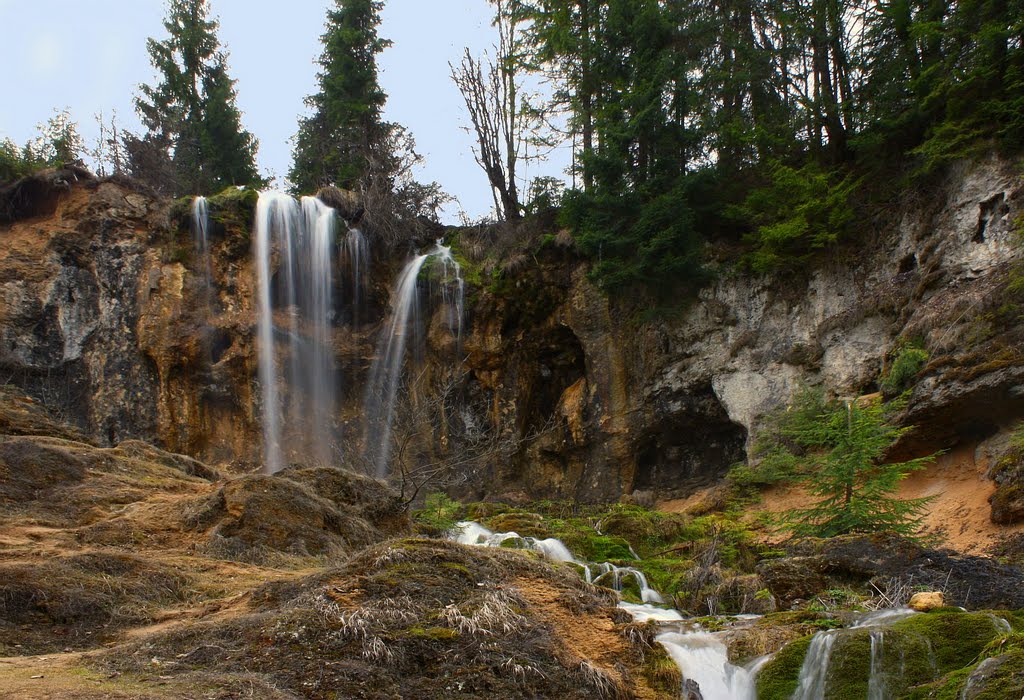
(908, 363)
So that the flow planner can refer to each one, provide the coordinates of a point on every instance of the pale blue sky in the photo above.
(89, 55)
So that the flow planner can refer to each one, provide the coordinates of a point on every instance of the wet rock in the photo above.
(997, 677)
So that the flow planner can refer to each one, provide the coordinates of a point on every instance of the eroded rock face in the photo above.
(105, 318)
(670, 405)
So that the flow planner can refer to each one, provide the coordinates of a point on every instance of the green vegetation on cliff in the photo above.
(773, 128)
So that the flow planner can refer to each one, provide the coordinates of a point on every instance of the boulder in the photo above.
(859, 560)
(927, 601)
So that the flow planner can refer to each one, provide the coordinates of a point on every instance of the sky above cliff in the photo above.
(91, 56)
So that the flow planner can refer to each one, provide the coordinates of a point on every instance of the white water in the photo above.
(355, 259)
(201, 236)
(302, 235)
(813, 678)
(386, 373)
(702, 657)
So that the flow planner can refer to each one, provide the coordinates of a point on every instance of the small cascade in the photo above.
(453, 289)
(467, 532)
(612, 576)
(702, 656)
(386, 373)
(302, 236)
(813, 679)
(704, 659)
(201, 236)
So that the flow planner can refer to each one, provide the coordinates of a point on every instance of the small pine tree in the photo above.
(839, 447)
(194, 138)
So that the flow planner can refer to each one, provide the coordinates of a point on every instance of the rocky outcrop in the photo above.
(555, 390)
(976, 583)
(669, 405)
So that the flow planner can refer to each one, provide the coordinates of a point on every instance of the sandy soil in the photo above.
(958, 516)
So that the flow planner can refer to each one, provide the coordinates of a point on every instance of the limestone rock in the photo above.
(927, 601)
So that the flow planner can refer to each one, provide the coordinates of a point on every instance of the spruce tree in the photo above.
(192, 121)
(838, 448)
(344, 142)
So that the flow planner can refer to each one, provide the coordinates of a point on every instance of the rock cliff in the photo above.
(105, 318)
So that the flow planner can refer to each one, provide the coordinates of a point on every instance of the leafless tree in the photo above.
(499, 110)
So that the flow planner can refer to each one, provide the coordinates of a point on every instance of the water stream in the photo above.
(813, 679)
(701, 656)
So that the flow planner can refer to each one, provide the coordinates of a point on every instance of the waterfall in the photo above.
(813, 679)
(355, 259)
(270, 214)
(386, 371)
(704, 659)
(302, 234)
(814, 671)
(201, 236)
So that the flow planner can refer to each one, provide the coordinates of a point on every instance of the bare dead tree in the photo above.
(499, 110)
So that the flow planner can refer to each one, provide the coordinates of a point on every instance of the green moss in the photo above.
(949, 687)
(483, 510)
(956, 639)
(606, 548)
(1003, 680)
(778, 678)
(234, 209)
(523, 524)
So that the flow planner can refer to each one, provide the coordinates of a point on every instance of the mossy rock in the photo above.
(523, 524)
(778, 678)
(600, 548)
(957, 639)
(234, 209)
(997, 678)
(482, 510)
(661, 672)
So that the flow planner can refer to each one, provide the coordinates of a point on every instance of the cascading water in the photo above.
(704, 659)
(386, 372)
(303, 236)
(355, 259)
(201, 236)
(813, 680)
(701, 656)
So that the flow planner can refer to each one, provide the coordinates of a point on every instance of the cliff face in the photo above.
(105, 318)
(670, 405)
(102, 321)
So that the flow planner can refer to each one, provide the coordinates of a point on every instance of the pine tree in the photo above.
(344, 142)
(839, 448)
(192, 121)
